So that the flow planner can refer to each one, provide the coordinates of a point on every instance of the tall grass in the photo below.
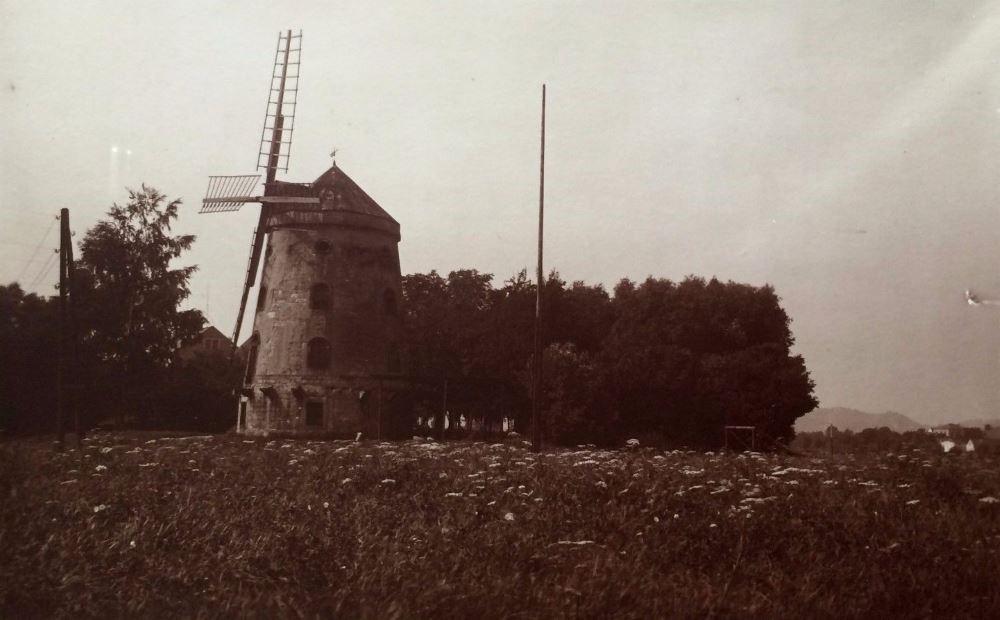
(192, 527)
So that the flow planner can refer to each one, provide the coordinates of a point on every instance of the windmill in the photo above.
(326, 330)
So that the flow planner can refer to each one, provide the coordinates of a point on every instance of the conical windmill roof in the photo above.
(339, 192)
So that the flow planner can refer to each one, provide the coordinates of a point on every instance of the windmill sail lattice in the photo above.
(279, 119)
(228, 193)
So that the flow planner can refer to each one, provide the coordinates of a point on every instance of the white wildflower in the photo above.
(388, 481)
(345, 481)
(989, 499)
(99, 508)
(601, 484)
(509, 516)
(100, 468)
(106, 449)
(913, 502)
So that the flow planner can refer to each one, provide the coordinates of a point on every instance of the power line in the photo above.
(37, 247)
(45, 269)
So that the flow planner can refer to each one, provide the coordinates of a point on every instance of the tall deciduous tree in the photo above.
(132, 317)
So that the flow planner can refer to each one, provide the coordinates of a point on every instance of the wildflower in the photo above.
(345, 481)
(989, 499)
(509, 516)
(131, 544)
(147, 464)
(453, 495)
(601, 484)
(442, 475)
(99, 508)
(105, 450)
(100, 468)
(712, 525)
(326, 504)
(913, 502)
(388, 481)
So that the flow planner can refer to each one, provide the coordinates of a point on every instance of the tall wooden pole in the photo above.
(61, 399)
(536, 414)
(73, 349)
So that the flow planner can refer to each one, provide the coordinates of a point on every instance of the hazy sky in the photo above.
(846, 153)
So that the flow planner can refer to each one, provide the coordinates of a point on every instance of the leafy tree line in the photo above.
(671, 362)
(128, 296)
(660, 360)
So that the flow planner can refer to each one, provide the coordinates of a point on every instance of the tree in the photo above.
(28, 348)
(686, 359)
(131, 317)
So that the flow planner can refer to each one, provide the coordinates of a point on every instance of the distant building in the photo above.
(210, 340)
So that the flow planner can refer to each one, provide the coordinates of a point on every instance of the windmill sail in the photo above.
(279, 119)
(228, 193)
(282, 98)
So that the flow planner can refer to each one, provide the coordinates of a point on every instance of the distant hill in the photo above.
(852, 419)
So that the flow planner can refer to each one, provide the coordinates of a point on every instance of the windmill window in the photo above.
(314, 413)
(261, 297)
(318, 353)
(319, 297)
(322, 247)
(389, 302)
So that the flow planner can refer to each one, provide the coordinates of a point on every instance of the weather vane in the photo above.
(333, 155)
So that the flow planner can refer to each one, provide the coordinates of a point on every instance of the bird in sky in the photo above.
(975, 300)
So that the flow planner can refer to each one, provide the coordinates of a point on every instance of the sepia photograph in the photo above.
(500, 309)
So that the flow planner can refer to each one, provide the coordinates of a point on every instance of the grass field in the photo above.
(208, 526)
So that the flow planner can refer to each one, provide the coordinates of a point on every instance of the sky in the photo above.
(845, 153)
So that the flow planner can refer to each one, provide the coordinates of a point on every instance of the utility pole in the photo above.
(536, 415)
(61, 360)
(66, 369)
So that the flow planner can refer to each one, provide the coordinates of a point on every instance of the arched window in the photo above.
(319, 297)
(318, 353)
(261, 297)
(389, 302)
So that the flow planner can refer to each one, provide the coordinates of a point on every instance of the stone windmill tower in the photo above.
(324, 357)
